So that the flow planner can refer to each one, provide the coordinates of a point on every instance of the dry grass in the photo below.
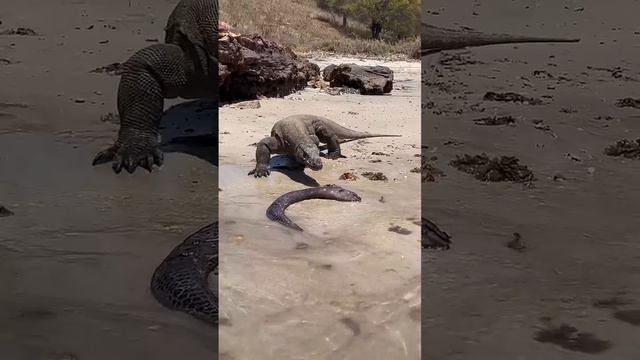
(300, 25)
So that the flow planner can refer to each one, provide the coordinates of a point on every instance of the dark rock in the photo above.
(517, 243)
(433, 237)
(327, 71)
(4, 212)
(511, 97)
(19, 31)
(251, 67)
(113, 69)
(369, 80)
(375, 176)
(495, 120)
(399, 230)
(629, 149)
(348, 176)
(628, 102)
(428, 171)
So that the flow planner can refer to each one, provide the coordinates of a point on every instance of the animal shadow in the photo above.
(191, 128)
(290, 167)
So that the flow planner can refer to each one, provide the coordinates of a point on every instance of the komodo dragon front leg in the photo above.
(186, 67)
(150, 75)
(264, 149)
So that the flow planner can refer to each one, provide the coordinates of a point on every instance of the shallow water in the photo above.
(484, 300)
(78, 254)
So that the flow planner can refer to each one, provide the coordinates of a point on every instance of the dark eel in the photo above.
(433, 237)
(276, 213)
(181, 281)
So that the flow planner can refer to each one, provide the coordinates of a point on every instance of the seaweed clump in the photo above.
(504, 168)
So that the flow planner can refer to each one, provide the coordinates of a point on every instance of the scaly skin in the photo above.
(186, 67)
(300, 136)
(276, 213)
(181, 280)
(435, 39)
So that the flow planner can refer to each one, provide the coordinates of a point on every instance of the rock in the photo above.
(113, 69)
(251, 67)
(628, 102)
(369, 80)
(511, 97)
(375, 176)
(517, 243)
(348, 176)
(4, 212)
(252, 104)
(629, 149)
(327, 71)
(399, 230)
(19, 31)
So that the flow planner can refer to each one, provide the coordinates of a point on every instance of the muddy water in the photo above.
(77, 257)
(347, 287)
(78, 254)
(484, 300)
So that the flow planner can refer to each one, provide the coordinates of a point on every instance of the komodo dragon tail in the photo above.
(347, 134)
(324, 147)
(435, 39)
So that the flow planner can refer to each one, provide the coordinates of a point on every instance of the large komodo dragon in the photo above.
(300, 135)
(185, 66)
(435, 39)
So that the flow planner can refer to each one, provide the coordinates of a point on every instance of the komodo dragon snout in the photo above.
(309, 154)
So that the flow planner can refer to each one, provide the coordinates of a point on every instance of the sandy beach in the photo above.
(352, 290)
(482, 299)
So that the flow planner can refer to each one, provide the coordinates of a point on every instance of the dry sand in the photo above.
(482, 299)
(353, 293)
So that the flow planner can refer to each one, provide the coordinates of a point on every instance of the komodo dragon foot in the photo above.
(130, 155)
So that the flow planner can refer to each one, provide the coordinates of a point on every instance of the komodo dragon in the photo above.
(300, 135)
(435, 39)
(185, 66)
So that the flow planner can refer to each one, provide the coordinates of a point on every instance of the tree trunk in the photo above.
(376, 29)
(344, 20)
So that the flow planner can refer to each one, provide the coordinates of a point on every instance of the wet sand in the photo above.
(347, 287)
(78, 254)
(484, 300)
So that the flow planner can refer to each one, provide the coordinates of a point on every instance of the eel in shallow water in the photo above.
(276, 210)
(436, 39)
(181, 281)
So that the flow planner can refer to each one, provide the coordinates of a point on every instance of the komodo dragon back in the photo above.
(193, 25)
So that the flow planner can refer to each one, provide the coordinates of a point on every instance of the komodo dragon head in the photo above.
(309, 155)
